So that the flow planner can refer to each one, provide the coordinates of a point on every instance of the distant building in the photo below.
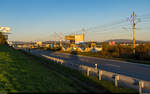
(111, 43)
(75, 39)
(39, 43)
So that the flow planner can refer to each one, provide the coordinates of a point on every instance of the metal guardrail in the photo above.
(118, 77)
(138, 84)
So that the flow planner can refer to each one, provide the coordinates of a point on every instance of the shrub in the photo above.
(2, 39)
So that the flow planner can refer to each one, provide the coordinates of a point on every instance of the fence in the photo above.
(118, 79)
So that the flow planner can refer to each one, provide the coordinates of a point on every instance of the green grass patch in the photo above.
(19, 73)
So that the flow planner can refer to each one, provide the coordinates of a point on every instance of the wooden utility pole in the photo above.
(133, 24)
(132, 21)
(83, 32)
(54, 38)
(60, 36)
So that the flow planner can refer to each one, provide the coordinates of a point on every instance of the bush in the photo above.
(54, 49)
(142, 52)
(2, 39)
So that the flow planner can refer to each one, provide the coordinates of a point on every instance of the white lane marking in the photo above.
(112, 65)
(136, 64)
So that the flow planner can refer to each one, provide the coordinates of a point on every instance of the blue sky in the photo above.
(37, 19)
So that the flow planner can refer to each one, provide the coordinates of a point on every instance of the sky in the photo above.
(32, 20)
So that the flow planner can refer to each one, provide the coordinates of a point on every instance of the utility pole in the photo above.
(54, 38)
(132, 20)
(83, 32)
(60, 36)
(133, 24)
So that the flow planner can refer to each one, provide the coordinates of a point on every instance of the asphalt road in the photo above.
(140, 71)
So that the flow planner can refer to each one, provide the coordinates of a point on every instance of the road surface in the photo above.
(140, 71)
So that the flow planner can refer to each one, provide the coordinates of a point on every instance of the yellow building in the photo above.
(75, 38)
(79, 38)
(39, 43)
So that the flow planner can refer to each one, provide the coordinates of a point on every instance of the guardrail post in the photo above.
(57, 60)
(54, 60)
(100, 74)
(60, 61)
(88, 71)
(116, 80)
(141, 85)
(95, 66)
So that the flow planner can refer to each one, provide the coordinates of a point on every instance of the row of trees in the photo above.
(142, 51)
(2, 39)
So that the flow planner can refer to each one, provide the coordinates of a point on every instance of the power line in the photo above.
(110, 29)
(108, 25)
(144, 15)
(116, 26)
(103, 26)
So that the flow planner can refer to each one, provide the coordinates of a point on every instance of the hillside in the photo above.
(126, 41)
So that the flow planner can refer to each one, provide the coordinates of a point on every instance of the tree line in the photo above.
(2, 39)
(142, 51)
